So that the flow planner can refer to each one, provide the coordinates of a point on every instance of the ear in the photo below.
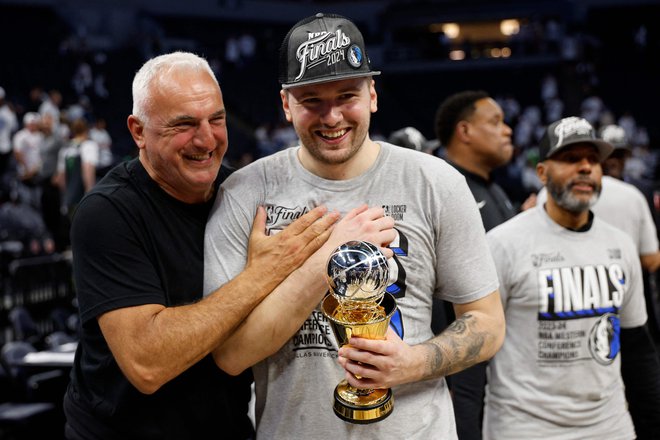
(374, 96)
(462, 131)
(285, 104)
(541, 172)
(137, 131)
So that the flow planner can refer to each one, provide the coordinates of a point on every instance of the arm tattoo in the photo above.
(455, 349)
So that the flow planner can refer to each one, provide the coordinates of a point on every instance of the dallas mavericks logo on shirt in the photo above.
(327, 48)
(604, 342)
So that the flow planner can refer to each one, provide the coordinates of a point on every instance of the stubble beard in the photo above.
(565, 199)
(322, 154)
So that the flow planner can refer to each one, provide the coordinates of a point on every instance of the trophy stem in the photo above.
(362, 406)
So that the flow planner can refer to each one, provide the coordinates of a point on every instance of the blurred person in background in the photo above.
(8, 126)
(76, 166)
(472, 128)
(51, 198)
(99, 134)
(409, 137)
(27, 143)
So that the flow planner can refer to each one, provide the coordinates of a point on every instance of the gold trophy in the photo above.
(358, 305)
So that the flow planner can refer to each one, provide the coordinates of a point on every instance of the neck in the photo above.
(191, 197)
(353, 167)
(467, 163)
(567, 219)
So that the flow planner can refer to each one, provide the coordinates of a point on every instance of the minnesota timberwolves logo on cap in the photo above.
(322, 48)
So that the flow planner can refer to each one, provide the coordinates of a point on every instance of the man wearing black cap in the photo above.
(328, 94)
(574, 305)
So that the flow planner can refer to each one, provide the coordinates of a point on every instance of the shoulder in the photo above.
(616, 186)
(417, 163)
(611, 233)
(120, 182)
(518, 225)
(619, 198)
(277, 164)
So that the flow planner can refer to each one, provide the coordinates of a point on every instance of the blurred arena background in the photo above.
(426, 49)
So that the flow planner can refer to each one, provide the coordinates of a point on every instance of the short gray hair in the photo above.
(157, 66)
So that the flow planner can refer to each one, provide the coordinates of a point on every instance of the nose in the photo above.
(203, 135)
(585, 165)
(507, 130)
(331, 115)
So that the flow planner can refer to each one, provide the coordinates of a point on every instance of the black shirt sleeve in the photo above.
(640, 370)
(468, 389)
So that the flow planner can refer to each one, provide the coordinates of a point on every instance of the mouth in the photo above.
(332, 135)
(583, 186)
(199, 157)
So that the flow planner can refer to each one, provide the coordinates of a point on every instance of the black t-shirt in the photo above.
(494, 204)
(134, 244)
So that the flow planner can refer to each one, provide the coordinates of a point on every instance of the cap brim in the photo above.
(604, 148)
(331, 79)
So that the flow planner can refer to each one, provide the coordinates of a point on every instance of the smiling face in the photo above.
(573, 177)
(184, 138)
(331, 119)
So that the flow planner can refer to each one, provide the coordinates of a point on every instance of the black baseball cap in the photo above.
(323, 48)
(570, 131)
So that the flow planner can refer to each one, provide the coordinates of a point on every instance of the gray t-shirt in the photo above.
(441, 251)
(566, 296)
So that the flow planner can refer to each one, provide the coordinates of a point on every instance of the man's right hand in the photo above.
(278, 255)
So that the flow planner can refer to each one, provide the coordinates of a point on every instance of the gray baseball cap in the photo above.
(323, 48)
(570, 131)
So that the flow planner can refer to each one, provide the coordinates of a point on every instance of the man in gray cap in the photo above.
(328, 94)
(575, 313)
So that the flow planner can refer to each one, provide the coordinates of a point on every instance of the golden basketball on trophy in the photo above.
(358, 305)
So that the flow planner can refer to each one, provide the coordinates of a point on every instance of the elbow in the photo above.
(497, 337)
(499, 341)
(145, 380)
(229, 367)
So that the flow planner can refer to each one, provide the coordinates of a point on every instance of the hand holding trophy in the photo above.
(358, 274)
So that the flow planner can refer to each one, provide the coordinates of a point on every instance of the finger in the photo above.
(318, 240)
(363, 346)
(259, 223)
(304, 222)
(356, 211)
(317, 232)
(374, 213)
(389, 253)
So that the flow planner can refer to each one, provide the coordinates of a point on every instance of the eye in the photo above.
(310, 101)
(218, 120)
(184, 124)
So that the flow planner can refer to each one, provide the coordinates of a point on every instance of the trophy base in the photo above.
(362, 409)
